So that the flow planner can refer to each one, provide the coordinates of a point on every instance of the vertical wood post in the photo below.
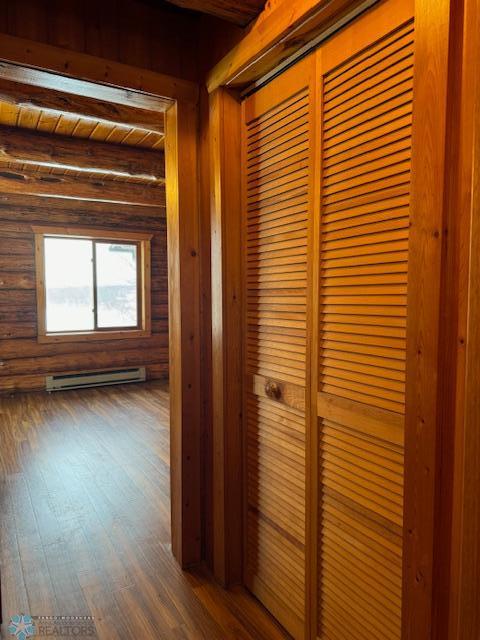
(226, 230)
(427, 250)
(183, 231)
(451, 619)
(469, 587)
(464, 591)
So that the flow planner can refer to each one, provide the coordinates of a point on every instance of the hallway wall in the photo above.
(139, 33)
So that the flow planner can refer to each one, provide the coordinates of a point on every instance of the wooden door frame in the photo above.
(468, 618)
(467, 589)
(227, 344)
(50, 67)
(459, 607)
(424, 420)
(428, 241)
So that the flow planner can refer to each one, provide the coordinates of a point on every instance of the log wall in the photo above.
(24, 362)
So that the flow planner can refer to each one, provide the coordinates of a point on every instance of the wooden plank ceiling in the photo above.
(74, 149)
(238, 12)
(78, 126)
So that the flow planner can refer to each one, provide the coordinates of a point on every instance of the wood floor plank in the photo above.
(85, 521)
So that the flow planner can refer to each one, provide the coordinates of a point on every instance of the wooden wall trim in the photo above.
(469, 588)
(206, 318)
(51, 67)
(280, 30)
(226, 251)
(454, 316)
(40, 284)
(427, 237)
(183, 231)
(464, 592)
(83, 232)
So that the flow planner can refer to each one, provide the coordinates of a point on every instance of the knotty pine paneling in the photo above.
(24, 362)
(138, 33)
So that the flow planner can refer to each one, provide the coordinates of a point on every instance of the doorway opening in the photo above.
(86, 536)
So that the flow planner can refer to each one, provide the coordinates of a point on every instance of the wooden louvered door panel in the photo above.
(366, 78)
(277, 122)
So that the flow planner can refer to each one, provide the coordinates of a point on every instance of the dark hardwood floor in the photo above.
(85, 520)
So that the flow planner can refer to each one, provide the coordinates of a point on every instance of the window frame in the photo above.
(140, 240)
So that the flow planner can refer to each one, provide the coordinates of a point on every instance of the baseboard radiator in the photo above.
(94, 378)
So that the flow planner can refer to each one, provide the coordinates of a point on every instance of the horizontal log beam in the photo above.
(15, 246)
(22, 146)
(58, 102)
(83, 361)
(22, 264)
(19, 207)
(24, 228)
(79, 188)
(9, 331)
(16, 280)
(12, 349)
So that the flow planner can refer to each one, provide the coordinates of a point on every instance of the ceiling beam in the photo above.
(50, 185)
(58, 102)
(240, 13)
(24, 146)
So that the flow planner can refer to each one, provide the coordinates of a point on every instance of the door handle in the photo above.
(273, 390)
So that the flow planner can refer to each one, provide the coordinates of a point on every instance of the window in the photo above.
(92, 284)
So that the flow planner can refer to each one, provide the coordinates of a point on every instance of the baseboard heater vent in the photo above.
(94, 378)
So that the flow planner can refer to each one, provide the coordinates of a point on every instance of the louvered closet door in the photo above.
(277, 201)
(366, 75)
